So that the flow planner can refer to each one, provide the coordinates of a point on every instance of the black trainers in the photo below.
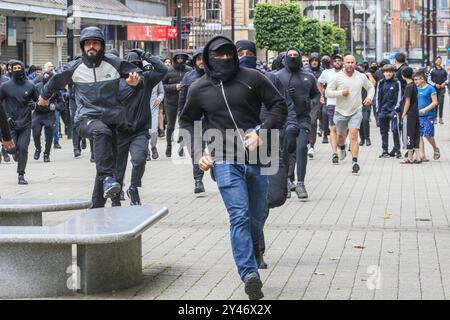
(392, 153)
(361, 143)
(169, 151)
(199, 187)
(259, 256)
(300, 190)
(57, 146)
(6, 157)
(335, 158)
(355, 168)
(325, 140)
(83, 144)
(133, 195)
(398, 154)
(110, 187)
(92, 159)
(22, 180)
(385, 154)
(46, 157)
(115, 202)
(76, 153)
(253, 286)
(155, 154)
(368, 142)
(291, 185)
(37, 154)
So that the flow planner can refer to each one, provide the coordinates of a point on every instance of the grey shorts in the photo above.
(347, 122)
(330, 114)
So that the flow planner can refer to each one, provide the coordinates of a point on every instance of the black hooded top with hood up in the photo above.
(137, 101)
(95, 82)
(18, 95)
(278, 62)
(245, 91)
(315, 71)
(300, 84)
(189, 78)
(173, 77)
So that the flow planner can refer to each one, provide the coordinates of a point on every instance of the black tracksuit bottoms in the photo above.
(137, 145)
(21, 138)
(105, 145)
(47, 122)
(300, 157)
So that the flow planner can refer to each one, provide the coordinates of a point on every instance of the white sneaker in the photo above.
(342, 153)
(311, 153)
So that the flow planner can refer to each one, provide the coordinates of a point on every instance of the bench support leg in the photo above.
(21, 219)
(35, 270)
(110, 267)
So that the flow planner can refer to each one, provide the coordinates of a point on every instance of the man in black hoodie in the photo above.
(316, 107)
(172, 87)
(19, 95)
(133, 136)
(302, 89)
(96, 78)
(230, 98)
(188, 79)
(44, 117)
(438, 78)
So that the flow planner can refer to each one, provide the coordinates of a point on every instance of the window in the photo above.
(213, 9)
(251, 8)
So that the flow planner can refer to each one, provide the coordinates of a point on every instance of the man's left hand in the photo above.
(367, 102)
(252, 140)
(133, 79)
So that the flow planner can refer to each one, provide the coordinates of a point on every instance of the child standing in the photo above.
(388, 99)
(410, 117)
(427, 101)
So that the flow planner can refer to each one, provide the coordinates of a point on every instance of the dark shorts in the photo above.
(426, 125)
(330, 114)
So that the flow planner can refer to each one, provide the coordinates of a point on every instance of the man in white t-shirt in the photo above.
(346, 86)
(324, 79)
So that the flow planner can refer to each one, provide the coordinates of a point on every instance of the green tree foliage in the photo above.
(312, 36)
(281, 26)
(278, 26)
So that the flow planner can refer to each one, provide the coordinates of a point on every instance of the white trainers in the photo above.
(342, 153)
(311, 153)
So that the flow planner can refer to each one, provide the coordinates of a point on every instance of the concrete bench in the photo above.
(28, 212)
(38, 261)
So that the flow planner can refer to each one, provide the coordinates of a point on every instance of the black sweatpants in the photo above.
(21, 138)
(47, 122)
(137, 145)
(441, 98)
(105, 145)
(411, 137)
(300, 157)
(171, 116)
(364, 130)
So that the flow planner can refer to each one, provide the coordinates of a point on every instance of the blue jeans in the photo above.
(244, 192)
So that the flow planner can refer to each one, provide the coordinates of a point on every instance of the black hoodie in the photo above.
(19, 97)
(302, 87)
(315, 71)
(172, 78)
(245, 93)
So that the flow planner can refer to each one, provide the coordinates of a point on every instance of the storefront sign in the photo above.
(151, 33)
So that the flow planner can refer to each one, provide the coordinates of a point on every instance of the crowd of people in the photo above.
(122, 107)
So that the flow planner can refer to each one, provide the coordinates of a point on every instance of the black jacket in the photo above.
(95, 84)
(438, 76)
(304, 88)
(245, 93)
(188, 79)
(19, 97)
(398, 76)
(137, 100)
(57, 100)
(170, 81)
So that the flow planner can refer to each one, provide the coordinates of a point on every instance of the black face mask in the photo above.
(223, 69)
(178, 65)
(248, 62)
(18, 75)
(293, 63)
(373, 69)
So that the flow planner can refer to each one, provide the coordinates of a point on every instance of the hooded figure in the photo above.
(302, 88)
(172, 87)
(278, 62)
(325, 62)
(95, 79)
(230, 98)
(113, 51)
(316, 71)
(18, 95)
